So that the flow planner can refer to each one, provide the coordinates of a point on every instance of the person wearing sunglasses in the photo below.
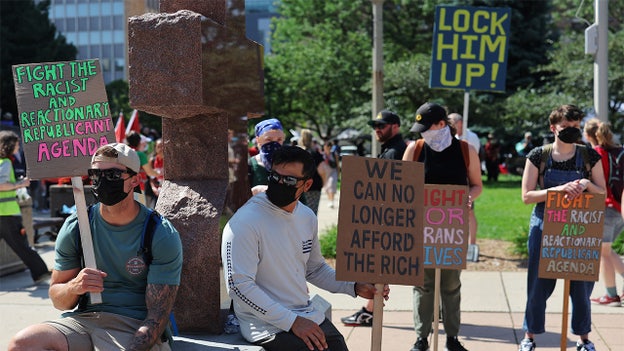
(270, 251)
(387, 126)
(137, 291)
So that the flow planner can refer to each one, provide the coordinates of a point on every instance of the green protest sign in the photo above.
(64, 116)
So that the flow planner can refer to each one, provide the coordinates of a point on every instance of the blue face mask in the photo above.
(266, 153)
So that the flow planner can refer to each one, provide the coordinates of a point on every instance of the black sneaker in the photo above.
(361, 318)
(452, 344)
(420, 345)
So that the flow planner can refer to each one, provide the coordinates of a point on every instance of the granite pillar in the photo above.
(193, 65)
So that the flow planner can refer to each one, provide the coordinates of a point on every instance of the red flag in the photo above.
(133, 124)
(120, 129)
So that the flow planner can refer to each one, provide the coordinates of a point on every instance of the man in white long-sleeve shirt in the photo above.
(270, 250)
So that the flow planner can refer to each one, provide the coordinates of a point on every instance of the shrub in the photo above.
(328, 242)
(618, 244)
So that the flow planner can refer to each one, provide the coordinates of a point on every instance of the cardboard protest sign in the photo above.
(470, 48)
(63, 116)
(380, 221)
(572, 236)
(445, 224)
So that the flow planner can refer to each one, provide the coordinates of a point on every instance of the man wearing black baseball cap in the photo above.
(386, 125)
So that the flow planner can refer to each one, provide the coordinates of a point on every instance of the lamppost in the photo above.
(378, 102)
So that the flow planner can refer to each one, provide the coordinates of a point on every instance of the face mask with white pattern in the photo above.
(438, 139)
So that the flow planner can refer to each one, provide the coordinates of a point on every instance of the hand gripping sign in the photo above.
(571, 242)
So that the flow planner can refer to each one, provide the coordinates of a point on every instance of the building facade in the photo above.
(98, 28)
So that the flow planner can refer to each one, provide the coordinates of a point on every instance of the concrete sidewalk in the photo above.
(492, 310)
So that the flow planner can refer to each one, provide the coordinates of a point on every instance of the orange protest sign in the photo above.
(572, 236)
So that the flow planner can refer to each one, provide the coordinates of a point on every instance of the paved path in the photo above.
(492, 310)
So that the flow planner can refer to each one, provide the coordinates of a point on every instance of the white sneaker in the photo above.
(473, 253)
(527, 345)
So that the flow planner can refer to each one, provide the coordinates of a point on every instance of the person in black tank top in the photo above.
(444, 163)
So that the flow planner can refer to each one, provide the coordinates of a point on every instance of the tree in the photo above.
(27, 36)
(320, 61)
(569, 76)
(319, 74)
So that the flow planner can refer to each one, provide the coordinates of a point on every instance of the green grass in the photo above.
(500, 212)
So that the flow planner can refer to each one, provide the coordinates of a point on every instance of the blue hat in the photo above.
(268, 124)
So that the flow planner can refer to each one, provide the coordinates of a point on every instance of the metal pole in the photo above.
(601, 62)
(378, 103)
(465, 116)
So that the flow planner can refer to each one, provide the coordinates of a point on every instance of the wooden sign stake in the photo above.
(564, 314)
(378, 305)
(436, 308)
(85, 230)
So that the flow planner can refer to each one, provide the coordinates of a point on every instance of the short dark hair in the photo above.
(568, 112)
(134, 139)
(295, 154)
(8, 140)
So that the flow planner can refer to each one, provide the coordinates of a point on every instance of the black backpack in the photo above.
(149, 228)
(615, 181)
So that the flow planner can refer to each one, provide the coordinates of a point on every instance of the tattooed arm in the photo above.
(159, 299)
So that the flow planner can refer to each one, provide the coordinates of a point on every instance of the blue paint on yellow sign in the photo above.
(470, 48)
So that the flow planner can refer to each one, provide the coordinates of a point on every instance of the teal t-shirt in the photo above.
(117, 253)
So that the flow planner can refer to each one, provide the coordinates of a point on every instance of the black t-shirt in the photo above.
(393, 149)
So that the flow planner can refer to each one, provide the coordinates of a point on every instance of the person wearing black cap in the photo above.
(386, 125)
(444, 162)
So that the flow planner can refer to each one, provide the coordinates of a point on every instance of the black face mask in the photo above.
(281, 194)
(109, 192)
(570, 135)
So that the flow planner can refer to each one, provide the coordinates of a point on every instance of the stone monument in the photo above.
(193, 65)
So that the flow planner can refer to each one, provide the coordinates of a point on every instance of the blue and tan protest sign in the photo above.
(63, 116)
(445, 232)
(380, 221)
(470, 48)
(572, 236)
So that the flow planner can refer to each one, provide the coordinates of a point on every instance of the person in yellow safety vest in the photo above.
(11, 229)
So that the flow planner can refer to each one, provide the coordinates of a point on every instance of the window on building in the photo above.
(83, 24)
(70, 24)
(118, 22)
(107, 23)
(120, 64)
